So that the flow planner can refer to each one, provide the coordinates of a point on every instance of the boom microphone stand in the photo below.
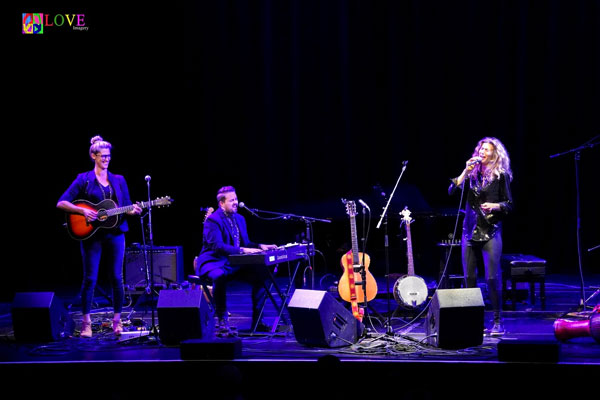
(389, 330)
(286, 216)
(577, 152)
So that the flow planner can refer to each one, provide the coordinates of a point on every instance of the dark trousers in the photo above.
(111, 248)
(256, 275)
(473, 253)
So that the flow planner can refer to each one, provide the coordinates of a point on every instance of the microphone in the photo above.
(241, 204)
(147, 178)
(477, 160)
(362, 203)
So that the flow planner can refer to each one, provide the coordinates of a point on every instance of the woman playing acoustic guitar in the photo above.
(96, 186)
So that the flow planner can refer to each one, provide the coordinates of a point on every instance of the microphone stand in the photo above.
(577, 156)
(150, 287)
(384, 218)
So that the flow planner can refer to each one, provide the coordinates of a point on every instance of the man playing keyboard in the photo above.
(225, 233)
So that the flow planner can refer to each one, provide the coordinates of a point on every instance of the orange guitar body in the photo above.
(346, 285)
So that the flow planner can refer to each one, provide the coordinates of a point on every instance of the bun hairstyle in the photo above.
(98, 144)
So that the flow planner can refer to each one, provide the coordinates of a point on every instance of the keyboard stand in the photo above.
(284, 297)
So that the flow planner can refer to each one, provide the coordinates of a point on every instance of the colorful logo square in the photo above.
(33, 23)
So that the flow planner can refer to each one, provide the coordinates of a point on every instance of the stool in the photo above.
(205, 284)
(523, 268)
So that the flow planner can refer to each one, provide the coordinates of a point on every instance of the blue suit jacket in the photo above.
(219, 242)
(84, 188)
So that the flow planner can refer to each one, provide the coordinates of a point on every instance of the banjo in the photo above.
(410, 290)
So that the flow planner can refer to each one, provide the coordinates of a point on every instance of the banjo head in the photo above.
(410, 291)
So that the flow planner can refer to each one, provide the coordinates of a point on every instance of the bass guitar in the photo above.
(350, 286)
(410, 290)
(108, 216)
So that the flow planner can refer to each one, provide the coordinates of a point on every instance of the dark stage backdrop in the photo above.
(299, 104)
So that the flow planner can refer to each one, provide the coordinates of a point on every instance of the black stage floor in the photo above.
(524, 363)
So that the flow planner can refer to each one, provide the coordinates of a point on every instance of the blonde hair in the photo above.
(98, 144)
(500, 163)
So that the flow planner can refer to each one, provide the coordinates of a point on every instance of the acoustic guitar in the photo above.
(350, 286)
(410, 290)
(108, 216)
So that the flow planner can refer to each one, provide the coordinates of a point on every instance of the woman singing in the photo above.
(486, 178)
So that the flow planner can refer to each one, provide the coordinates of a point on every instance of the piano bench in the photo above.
(523, 268)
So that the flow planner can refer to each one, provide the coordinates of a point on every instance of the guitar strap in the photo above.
(87, 185)
(358, 312)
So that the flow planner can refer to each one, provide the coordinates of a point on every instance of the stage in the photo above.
(276, 365)
(525, 362)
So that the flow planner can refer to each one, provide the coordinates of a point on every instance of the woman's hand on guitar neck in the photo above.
(137, 210)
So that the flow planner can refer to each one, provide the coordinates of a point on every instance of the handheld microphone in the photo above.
(477, 160)
(362, 203)
(147, 178)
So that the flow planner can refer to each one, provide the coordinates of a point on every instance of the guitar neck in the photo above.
(411, 263)
(126, 209)
(355, 259)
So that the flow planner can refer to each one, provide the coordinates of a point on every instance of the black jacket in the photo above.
(477, 226)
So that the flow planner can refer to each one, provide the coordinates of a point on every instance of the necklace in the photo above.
(103, 188)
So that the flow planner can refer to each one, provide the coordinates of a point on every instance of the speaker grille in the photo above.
(167, 263)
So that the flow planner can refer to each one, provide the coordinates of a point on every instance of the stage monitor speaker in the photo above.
(320, 320)
(167, 264)
(455, 318)
(36, 317)
(182, 315)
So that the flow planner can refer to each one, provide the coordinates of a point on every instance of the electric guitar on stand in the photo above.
(410, 290)
(351, 285)
(207, 211)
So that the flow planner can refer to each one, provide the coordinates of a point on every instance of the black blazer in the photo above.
(219, 241)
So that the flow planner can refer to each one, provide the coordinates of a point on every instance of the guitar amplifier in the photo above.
(167, 262)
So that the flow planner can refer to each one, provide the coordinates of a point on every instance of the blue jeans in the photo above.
(111, 248)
